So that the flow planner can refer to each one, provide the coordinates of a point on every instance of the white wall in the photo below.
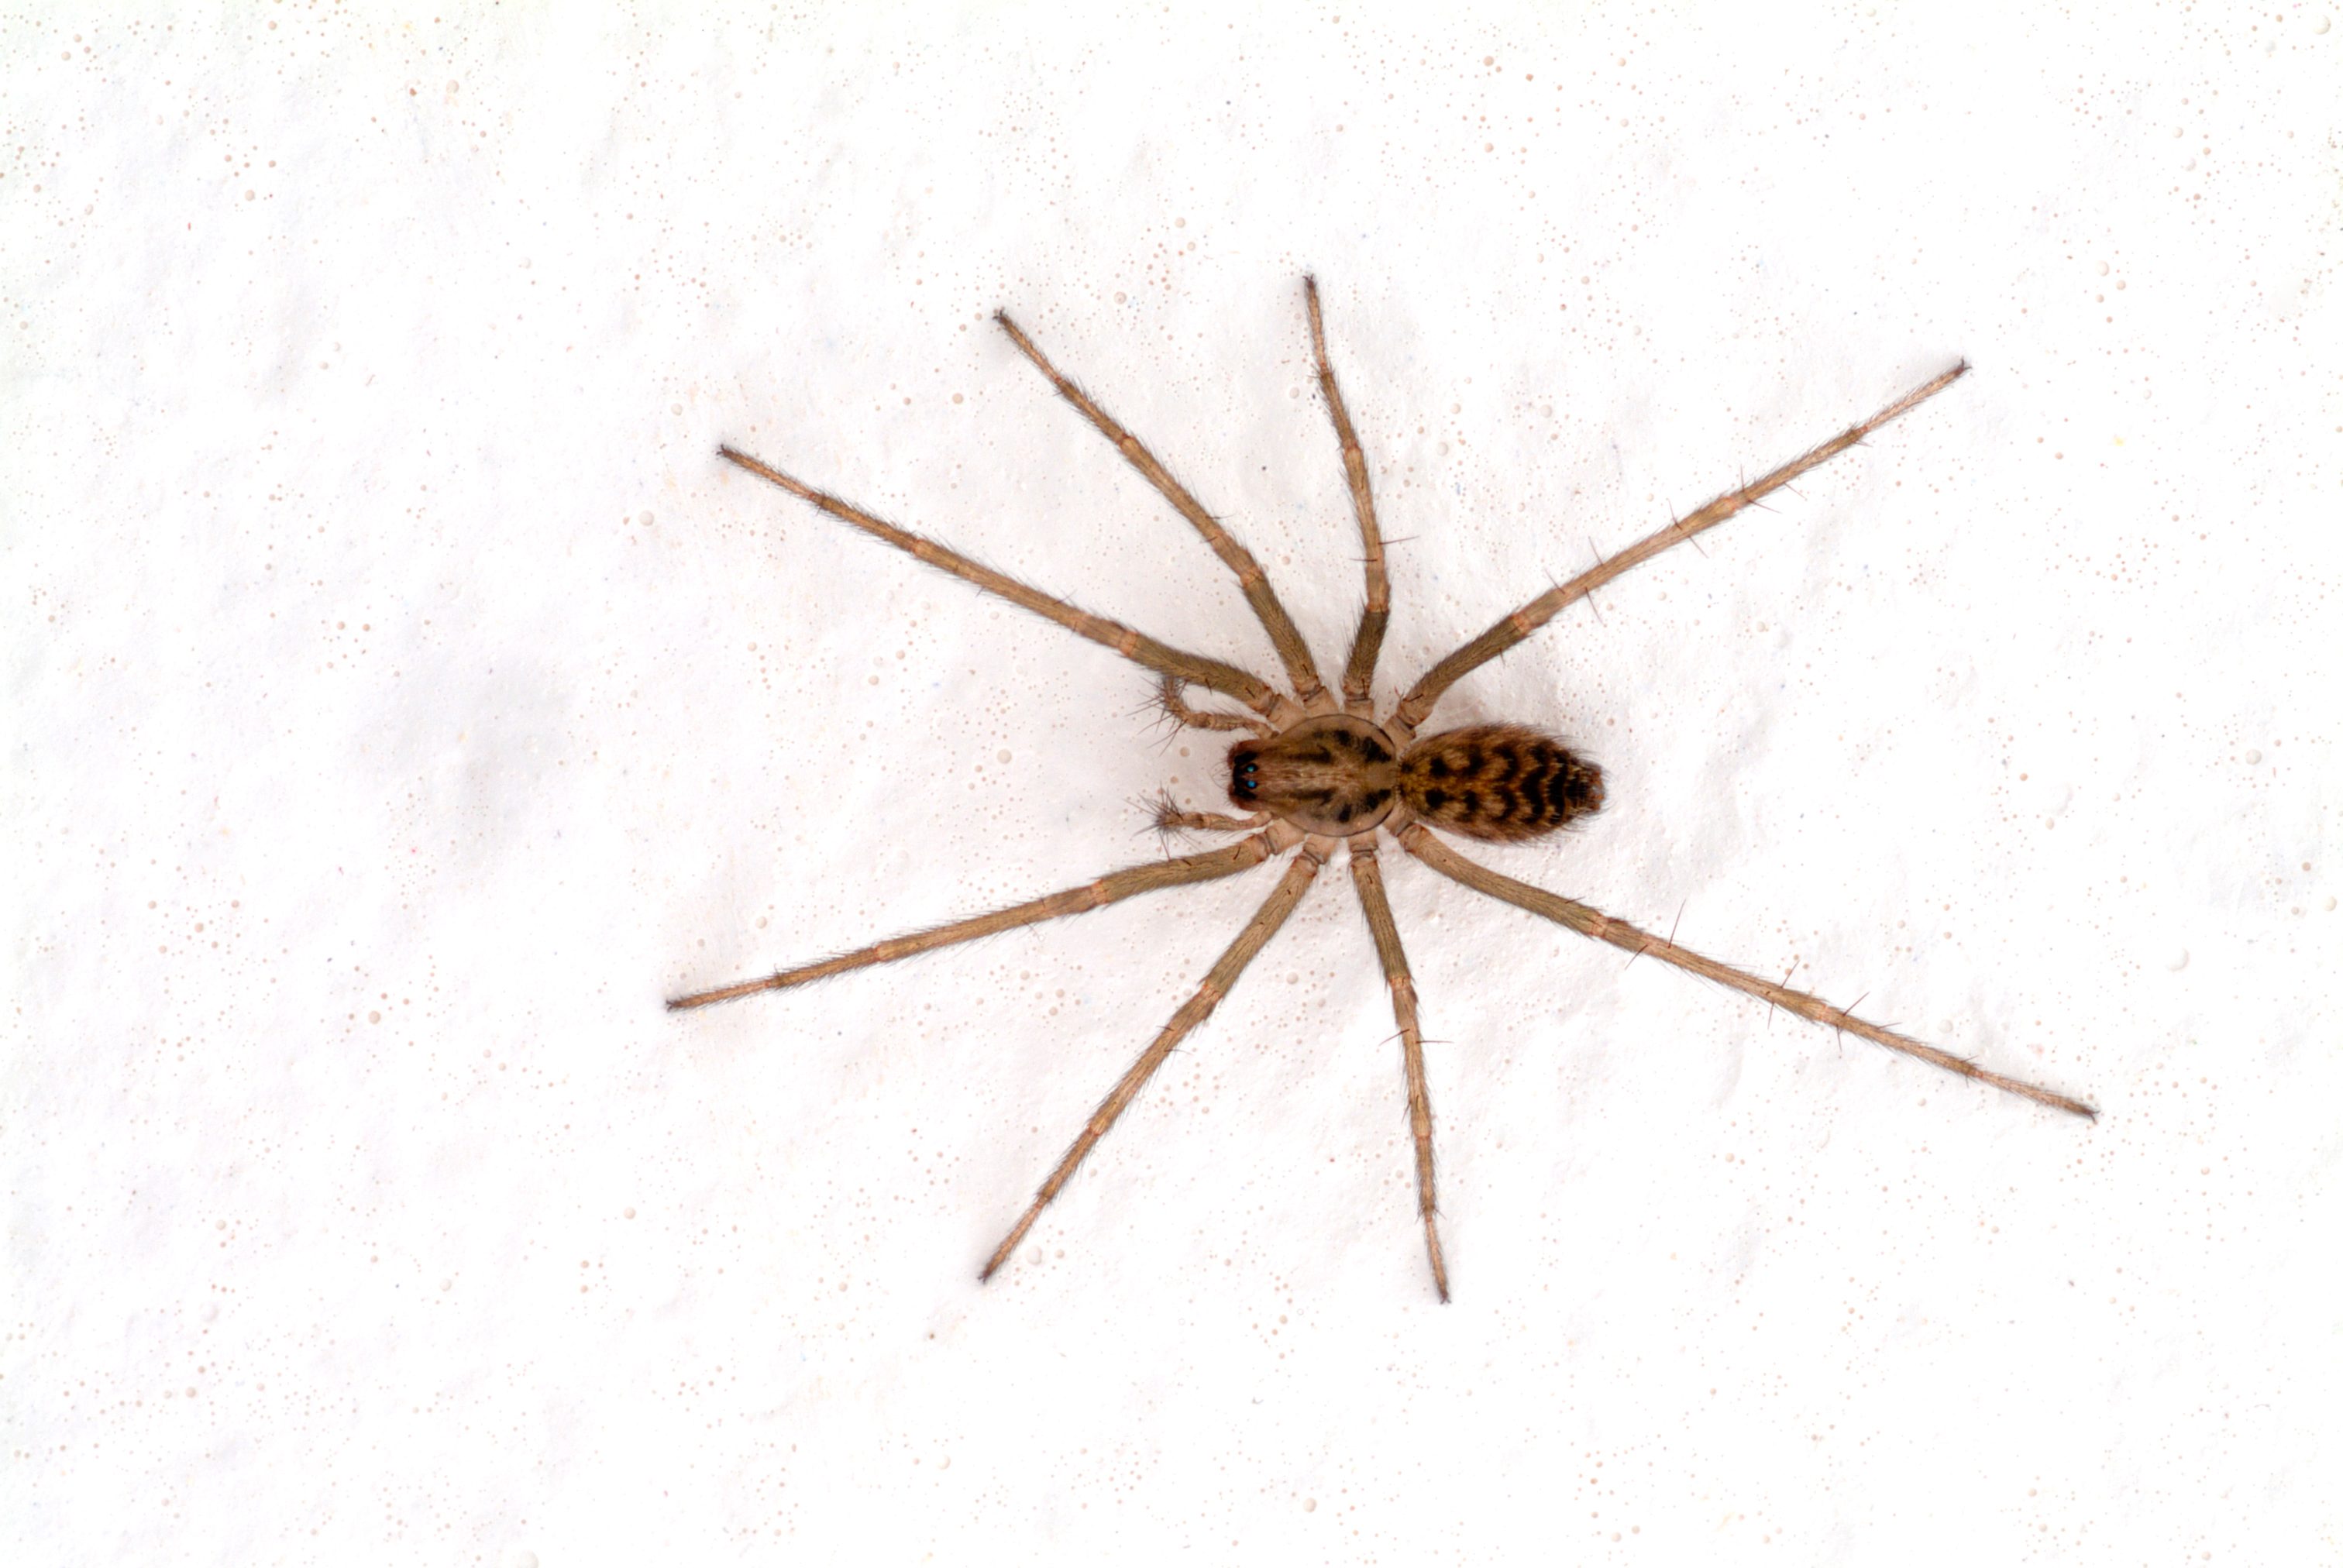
(404, 700)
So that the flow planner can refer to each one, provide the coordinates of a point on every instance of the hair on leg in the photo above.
(1516, 627)
(1116, 886)
(1300, 667)
(1359, 674)
(1195, 1010)
(1590, 921)
(1368, 878)
(1166, 660)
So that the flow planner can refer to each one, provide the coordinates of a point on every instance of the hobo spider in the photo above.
(1312, 774)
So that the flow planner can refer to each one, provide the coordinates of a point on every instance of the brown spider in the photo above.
(1313, 775)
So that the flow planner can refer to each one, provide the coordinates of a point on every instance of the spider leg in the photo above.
(1225, 861)
(1194, 1012)
(1359, 674)
(1369, 880)
(1516, 627)
(1593, 922)
(1299, 666)
(1171, 662)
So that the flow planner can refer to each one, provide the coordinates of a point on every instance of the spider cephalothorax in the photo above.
(1317, 777)
(1339, 775)
(1335, 774)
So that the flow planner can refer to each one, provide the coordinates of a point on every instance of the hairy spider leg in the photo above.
(1195, 1010)
(1516, 627)
(1299, 666)
(1166, 660)
(1359, 674)
(1368, 877)
(1116, 886)
(1593, 922)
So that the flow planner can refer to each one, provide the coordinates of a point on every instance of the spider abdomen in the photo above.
(1501, 782)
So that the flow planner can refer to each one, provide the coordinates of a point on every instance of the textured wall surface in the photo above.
(403, 700)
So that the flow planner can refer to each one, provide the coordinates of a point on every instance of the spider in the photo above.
(1314, 773)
